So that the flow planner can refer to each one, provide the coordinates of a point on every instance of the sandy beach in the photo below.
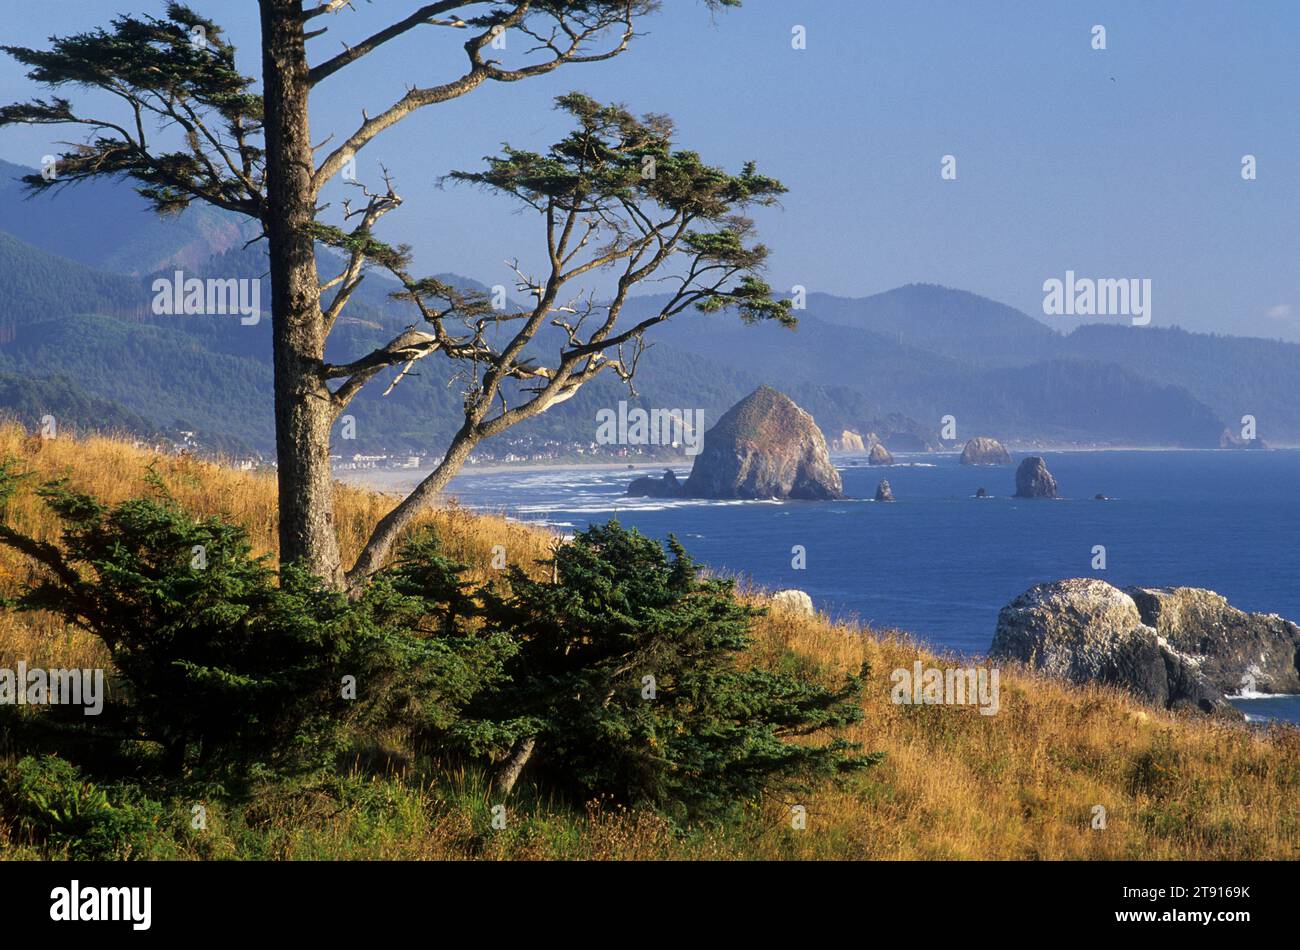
(404, 479)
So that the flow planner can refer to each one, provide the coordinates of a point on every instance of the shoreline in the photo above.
(375, 477)
(381, 479)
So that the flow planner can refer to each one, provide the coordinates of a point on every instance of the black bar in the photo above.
(532, 900)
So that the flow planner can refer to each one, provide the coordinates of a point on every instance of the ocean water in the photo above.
(940, 563)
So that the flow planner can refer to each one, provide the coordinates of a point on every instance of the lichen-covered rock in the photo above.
(984, 451)
(1087, 631)
(765, 447)
(794, 600)
(1033, 480)
(880, 455)
(883, 491)
(1235, 650)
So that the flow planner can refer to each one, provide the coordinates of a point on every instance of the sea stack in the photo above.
(880, 455)
(647, 486)
(883, 491)
(1230, 440)
(849, 441)
(1033, 480)
(984, 451)
(765, 447)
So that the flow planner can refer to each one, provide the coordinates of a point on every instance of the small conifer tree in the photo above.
(627, 685)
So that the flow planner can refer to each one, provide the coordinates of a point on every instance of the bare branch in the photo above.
(353, 53)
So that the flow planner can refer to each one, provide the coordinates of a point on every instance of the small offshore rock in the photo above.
(985, 451)
(1033, 480)
(849, 441)
(647, 486)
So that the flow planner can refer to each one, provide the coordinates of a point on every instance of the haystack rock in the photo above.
(765, 447)
(883, 491)
(880, 455)
(849, 441)
(985, 451)
(1033, 480)
(1086, 631)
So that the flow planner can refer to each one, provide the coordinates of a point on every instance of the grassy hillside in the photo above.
(954, 784)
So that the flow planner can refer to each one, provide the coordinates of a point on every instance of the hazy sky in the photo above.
(1117, 163)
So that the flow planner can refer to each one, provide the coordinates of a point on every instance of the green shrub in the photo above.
(214, 659)
(47, 798)
(421, 649)
(627, 679)
(229, 665)
(617, 678)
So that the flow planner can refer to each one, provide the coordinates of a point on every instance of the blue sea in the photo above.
(939, 563)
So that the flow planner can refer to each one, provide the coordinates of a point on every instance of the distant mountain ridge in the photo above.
(106, 226)
(76, 306)
(1048, 394)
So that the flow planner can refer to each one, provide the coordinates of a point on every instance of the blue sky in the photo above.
(1116, 163)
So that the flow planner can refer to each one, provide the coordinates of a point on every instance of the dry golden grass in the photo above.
(954, 784)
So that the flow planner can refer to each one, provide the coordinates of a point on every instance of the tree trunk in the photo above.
(304, 412)
(511, 768)
(379, 546)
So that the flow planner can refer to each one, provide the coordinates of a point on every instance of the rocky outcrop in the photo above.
(795, 601)
(1230, 440)
(1087, 631)
(849, 441)
(1235, 650)
(880, 455)
(764, 447)
(883, 491)
(985, 451)
(1033, 480)
(647, 486)
(981, 493)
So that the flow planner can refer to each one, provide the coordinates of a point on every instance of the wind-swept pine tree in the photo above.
(182, 120)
